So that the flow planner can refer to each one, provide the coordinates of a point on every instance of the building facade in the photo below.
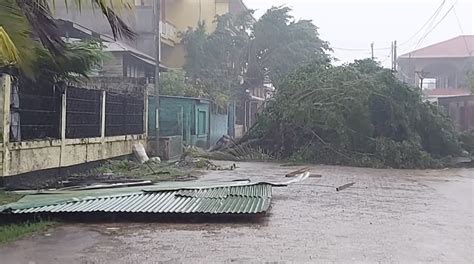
(441, 68)
(177, 16)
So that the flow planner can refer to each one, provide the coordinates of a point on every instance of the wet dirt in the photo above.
(387, 216)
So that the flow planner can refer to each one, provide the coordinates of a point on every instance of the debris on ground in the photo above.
(345, 186)
(171, 198)
(140, 153)
(295, 173)
(200, 163)
(230, 153)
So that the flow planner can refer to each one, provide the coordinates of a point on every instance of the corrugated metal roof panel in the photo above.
(246, 199)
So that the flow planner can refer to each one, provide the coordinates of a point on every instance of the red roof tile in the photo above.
(452, 48)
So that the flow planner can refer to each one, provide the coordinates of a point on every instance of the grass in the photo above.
(8, 197)
(11, 232)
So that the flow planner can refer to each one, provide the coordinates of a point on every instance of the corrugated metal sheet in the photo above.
(246, 199)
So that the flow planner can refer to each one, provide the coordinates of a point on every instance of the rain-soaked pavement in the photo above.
(388, 216)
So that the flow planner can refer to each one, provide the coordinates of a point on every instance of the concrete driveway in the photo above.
(388, 216)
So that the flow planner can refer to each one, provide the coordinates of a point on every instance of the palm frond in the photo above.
(42, 23)
(8, 52)
(117, 25)
(111, 10)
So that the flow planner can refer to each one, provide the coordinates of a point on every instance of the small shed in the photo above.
(187, 120)
(181, 116)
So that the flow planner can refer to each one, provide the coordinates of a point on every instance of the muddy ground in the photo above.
(388, 216)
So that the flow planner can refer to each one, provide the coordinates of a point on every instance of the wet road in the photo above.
(388, 216)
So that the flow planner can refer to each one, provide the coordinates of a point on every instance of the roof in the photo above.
(76, 31)
(200, 197)
(458, 47)
(246, 199)
(117, 46)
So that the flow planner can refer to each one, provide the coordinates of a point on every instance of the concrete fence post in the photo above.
(63, 126)
(102, 124)
(5, 86)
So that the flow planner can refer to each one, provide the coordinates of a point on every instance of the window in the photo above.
(201, 122)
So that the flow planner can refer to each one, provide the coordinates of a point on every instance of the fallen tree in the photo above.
(357, 114)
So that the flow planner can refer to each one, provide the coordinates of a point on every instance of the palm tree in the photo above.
(28, 24)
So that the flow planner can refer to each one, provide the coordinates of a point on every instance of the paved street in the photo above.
(388, 216)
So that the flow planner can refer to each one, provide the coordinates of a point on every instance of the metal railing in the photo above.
(168, 31)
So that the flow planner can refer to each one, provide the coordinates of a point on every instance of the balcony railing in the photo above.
(168, 31)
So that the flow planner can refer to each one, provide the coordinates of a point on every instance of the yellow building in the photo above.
(176, 16)
(179, 15)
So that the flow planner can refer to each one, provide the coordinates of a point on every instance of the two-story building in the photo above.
(176, 17)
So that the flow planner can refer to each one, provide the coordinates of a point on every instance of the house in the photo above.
(176, 16)
(122, 60)
(440, 69)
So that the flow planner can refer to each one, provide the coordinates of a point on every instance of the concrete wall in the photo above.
(36, 155)
(40, 155)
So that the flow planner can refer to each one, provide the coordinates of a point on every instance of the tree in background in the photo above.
(280, 44)
(216, 63)
(241, 53)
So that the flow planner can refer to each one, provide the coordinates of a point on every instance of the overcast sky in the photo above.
(354, 24)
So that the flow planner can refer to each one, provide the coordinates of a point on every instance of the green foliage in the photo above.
(173, 82)
(241, 54)
(13, 232)
(355, 114)
(467, 141)
(28, 25)
(215, 62)
(76, 62)
(282, 44)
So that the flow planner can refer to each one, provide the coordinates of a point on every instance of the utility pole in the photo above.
(394, 56)
(157, 16)
(372, 50)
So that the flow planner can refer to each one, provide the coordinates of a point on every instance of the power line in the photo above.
(432, 18)
(436, 25)
(360, 49)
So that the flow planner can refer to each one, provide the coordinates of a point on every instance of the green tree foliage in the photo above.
(77, 61)
(355, 114)
(240, 53)
(28, 24)
(173, 82)
(280, 44)
(215, 62)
